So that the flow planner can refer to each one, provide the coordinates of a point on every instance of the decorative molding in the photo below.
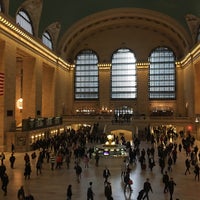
(193, 23)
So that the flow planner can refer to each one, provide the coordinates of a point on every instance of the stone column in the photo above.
(7, 97)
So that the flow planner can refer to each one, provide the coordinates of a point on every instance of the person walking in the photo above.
(78, 170)
(108, 191)
(2, 157)
(86, 161)
(187, 165)
(147, 187)
(5, 181)
(69, 192)
(171, 185)
(39, 167)
(166, 181)
(21, 193)
(127, 182)
(90, 193)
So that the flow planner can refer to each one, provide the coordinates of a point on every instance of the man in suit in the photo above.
(106, 174)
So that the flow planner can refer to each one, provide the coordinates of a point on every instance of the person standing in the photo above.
(106, 174)
(147, 187)
(12, 160)
(90, 193)
(97, 159)
(5, 181)
(69, 192)
(171, 185)
(27, 170)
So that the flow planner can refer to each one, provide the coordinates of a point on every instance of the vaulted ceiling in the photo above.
(104, 25)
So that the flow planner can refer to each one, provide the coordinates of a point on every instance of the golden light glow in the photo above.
(23, 37)
(19, 103)
(110, 137)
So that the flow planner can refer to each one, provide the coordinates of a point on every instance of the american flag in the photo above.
(1, 83)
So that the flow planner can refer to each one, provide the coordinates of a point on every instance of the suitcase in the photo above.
(140, 194)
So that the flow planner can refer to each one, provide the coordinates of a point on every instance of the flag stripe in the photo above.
(2, 76)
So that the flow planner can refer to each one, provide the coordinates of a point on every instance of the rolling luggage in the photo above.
(140, 194)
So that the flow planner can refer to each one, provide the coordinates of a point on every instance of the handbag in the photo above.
(130, 182)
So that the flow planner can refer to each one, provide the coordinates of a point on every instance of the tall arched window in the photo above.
(86, 76)
(123, 75)
(46, 39)
(162, 74)
(24, 21)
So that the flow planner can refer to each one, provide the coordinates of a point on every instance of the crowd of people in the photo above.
(72, 147)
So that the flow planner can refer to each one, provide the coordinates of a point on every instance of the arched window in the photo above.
(24, 21)
(86, 76)
(46, 39)
(123, 75)
(162, 74)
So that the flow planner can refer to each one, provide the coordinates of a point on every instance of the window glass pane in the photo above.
(123, 75)
(86, 76)
(46, 39)
(162, 74)
(24, 21)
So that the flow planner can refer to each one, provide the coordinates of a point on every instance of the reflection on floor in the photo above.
(52, 185)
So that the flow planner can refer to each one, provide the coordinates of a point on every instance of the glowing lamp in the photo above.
(19, 103)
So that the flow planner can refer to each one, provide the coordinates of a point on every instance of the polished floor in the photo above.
(52, 185)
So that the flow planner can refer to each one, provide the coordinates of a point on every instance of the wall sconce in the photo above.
(19, 103)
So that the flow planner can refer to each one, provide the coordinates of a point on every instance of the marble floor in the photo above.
(52, 185)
